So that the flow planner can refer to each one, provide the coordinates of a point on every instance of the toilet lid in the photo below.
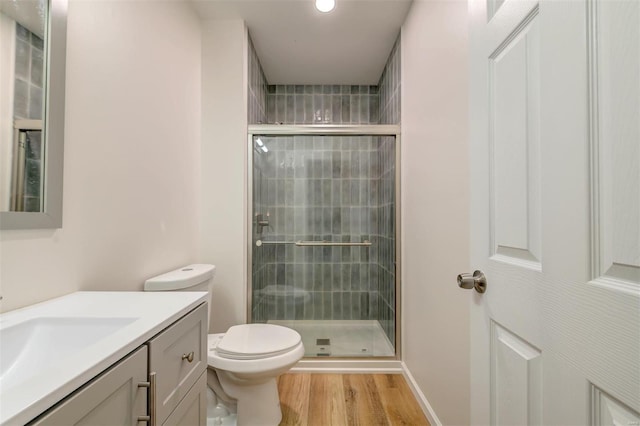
(253, 341)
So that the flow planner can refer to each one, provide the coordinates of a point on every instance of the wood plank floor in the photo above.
(347, 399)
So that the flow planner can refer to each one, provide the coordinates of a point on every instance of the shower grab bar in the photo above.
(365, 243)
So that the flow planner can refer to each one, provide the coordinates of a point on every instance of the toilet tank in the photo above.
(196, 277)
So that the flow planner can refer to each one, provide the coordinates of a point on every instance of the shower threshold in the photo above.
(341, 338)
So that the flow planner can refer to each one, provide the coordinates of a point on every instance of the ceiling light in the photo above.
(325, 5)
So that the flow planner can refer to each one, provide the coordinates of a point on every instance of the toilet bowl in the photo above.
(243, 363)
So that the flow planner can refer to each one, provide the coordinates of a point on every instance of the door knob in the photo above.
(477, 281)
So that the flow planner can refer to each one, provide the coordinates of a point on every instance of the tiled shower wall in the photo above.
(27, 104)
(322, 104)
(257, 90)
(390, 89)
(319, 188)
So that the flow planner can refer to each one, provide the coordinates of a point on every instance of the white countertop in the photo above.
(150, 313)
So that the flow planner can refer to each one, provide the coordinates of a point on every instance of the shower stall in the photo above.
(323, 248)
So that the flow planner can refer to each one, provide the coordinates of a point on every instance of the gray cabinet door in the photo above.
(112, 398)
(192, 410)
(178, 356)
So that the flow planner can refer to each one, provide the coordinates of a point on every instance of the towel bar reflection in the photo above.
(365, 243)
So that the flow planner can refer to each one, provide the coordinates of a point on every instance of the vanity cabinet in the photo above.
(112, 398)
(178, 356)
(163, 382)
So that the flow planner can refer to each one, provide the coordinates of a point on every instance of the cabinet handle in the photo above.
(152, 399)
(188, 357)
(144, 418)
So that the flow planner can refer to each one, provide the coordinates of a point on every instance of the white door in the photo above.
(555, 154)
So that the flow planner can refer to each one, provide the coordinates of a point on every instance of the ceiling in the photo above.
(297, 44)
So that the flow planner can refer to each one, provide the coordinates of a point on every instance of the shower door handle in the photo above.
(477, 281)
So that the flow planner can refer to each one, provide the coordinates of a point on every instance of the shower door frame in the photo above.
(329, 130)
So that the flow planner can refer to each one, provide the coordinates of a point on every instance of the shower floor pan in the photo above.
(340, 338)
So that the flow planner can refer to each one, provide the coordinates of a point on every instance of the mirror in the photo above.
(32, 79)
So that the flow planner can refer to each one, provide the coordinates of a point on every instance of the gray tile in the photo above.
(346, 109)
(318, 107)
(345, 279)
(23, 33)
(327, 275)
(355, 109)
(336, 306)
(327, 166)
(326, 192)
(22, 59)
(290, 109)
(37, 65)
(346, 305)
(345, 192)
(336, 163)
(308, 308)
(299, 89)
(271, 109)
(281, 108)
(21, 99)
(317, 276)
(299, 109)
(346, 220)
(318, 305)
(326, 305)
(336, 221)
(364, 305)
(355, 275)
(355, 306)
(374, 109)
(355, 164)
(308, 109)
(355, 192)
(32, 177)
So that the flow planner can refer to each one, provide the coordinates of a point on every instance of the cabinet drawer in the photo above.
(192, 411)
(169, 354)
(113, 398)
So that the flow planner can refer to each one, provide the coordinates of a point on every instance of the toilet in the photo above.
(243, 363)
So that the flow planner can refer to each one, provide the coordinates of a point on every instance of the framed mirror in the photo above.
(32, 87)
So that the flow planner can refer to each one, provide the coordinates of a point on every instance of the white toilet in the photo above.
(243, 363)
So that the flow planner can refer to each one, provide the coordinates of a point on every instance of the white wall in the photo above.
(224, 159)
(132, 139)
(435, 204)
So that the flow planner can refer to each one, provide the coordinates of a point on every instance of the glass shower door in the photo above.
(323, 241)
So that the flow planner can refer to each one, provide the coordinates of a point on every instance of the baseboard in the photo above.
(348, 366)
(422, 400)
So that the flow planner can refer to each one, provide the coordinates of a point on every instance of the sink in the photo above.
(33, 346)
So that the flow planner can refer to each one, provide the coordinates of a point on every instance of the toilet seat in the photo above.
(264, 355)
(256, 341)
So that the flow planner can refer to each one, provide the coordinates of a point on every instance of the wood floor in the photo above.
(347, 399)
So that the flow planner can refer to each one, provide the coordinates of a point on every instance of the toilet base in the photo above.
(258, 404)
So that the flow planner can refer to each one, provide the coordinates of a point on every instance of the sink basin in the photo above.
(31, 347)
